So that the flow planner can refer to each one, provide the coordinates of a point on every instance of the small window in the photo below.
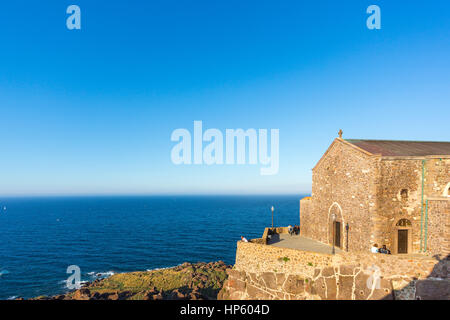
(404, 194)
(403, 223)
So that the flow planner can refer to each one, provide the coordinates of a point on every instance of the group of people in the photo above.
(293, 230)
(383, 249)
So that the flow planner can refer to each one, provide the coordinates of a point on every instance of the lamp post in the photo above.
(346, 230)
(333, 216)
(272, 209)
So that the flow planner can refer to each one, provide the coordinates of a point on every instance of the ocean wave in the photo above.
(12, 297)
(93, 275)
(101, 275)
(164, 268)
(156, 269)
(64, 282)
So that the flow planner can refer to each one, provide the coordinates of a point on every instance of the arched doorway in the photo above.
(335, 226)
(402, 237)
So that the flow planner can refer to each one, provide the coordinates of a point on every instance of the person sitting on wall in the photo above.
(374, 248)
(290, 230)
(243, 239)
(384, 250)
(269, 234)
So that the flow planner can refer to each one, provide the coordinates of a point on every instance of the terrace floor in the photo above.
(285, 240)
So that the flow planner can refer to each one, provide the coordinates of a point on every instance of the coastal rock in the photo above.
(158, 296)
(188, 281)
(177, 295)
(82, 294)
(114, 296)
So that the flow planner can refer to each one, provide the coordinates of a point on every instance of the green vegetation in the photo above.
(202, 280)
(285, 259)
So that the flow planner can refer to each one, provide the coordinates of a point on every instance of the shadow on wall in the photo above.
(275, 238)
(435, 287)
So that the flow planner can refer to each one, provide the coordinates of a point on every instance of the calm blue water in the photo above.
(41, 237)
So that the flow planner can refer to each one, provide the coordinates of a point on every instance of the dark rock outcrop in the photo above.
(188, 281)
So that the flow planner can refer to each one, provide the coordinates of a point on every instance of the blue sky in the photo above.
(91, 111)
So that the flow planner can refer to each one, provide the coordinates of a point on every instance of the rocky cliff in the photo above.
(198, 281)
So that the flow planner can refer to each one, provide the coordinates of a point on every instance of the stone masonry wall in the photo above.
(395, 176)
(344, 184)
(436, 185)
(372, 194)
(307, 217)
(438, 235)
(437, 176)
(266, 272)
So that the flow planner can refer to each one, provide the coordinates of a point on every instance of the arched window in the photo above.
(403, 223)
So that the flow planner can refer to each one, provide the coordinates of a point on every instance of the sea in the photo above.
(40, 237)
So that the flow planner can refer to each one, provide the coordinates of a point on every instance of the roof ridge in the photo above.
(382, 140)
(402, 147)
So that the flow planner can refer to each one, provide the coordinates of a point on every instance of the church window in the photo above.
(404, 194)
(403, 223)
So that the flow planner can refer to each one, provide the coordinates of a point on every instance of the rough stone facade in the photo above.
(266, 272)
(376, 196)
(344, 183)
(438, 240)
(361, 197)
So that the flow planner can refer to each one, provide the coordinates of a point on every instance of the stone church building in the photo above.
(393, 193)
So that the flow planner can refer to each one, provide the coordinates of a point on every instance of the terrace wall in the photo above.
(266, 272)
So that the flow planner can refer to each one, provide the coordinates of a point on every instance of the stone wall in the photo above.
(266, 272)
(438, 223)
(344, 183)
(373, 194)
(436, 185)
(392, 205)
(437, 175)
(307, 218)
(255, 257)
(409, 174)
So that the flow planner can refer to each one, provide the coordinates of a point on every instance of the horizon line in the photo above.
(147, 195)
